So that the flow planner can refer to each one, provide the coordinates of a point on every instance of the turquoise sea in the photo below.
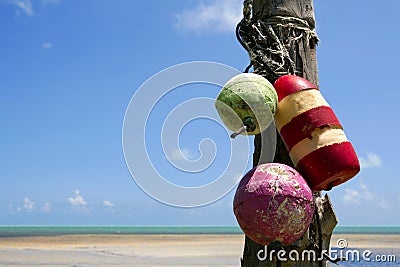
(12, 231)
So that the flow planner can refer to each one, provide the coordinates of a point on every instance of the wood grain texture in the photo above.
(303, 55)
(303, 9)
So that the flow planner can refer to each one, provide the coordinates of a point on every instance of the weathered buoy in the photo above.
(247, 104)
(273, 203)
(313, 134)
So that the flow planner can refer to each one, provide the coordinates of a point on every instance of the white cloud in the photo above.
(26, 6)
(14, 209)
(364, 196)
(29, 205)
(47, 45)
(22, 5)
(372, 160)
(77, 201)
(46, 207)
(352, 196)
(107, 203)
(217, 16)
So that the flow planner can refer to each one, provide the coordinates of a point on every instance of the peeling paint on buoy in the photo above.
(313, 134)
(251, 98)
(273, 203)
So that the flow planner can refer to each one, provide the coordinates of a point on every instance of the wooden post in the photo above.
(280, 38)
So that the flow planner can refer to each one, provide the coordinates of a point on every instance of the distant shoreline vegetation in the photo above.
(15, 231)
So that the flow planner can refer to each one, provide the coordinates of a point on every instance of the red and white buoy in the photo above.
(313, 134)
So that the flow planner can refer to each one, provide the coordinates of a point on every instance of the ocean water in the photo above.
(13, 231)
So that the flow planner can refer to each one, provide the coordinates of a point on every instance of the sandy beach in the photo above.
(150, 250)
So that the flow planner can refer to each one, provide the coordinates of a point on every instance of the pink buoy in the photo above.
(273, 203)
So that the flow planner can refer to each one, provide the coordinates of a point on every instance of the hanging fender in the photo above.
(313, 134)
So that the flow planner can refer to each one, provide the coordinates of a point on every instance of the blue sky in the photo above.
(68, 70)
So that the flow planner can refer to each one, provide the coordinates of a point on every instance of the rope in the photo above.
(247, 8)
(240, 38)
(270, 41)
(292, 22)
(320, 263)
(243, 44)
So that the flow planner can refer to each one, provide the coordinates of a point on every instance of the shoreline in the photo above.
(72, 240)
(153, 249)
